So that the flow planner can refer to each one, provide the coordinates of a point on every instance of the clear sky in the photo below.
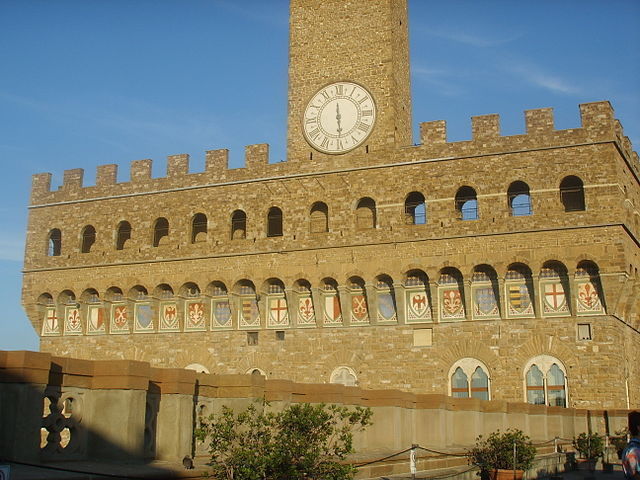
(90, 82)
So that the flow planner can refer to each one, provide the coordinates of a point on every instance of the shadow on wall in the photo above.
(48, 417)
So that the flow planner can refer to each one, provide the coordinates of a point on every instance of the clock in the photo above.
(339, 117)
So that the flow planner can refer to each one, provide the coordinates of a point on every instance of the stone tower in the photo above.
(361, 41)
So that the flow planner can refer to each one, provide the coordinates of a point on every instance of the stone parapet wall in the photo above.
(598, 126)
(128, 410)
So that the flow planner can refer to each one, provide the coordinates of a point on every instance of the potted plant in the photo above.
(619, 441)
(590, 447)
(503, 455)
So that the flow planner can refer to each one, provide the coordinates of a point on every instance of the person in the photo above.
(631, 453)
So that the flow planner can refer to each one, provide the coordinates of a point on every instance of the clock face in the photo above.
(339, 117)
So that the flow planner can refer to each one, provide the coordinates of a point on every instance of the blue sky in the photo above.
(90, 82)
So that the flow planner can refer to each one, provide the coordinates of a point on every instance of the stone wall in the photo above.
(56, 408)
(201, 269)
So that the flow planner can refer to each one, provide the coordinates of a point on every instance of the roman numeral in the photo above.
(325, 94)
(339, 145)
(367, 113)
(313, 134)
(363, 99)
(363, 126)
(308, 121)
(325, 143)
(339, 89)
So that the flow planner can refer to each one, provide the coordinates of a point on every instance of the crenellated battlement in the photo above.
(598, 124)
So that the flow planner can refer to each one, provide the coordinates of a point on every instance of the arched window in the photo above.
(415, 212)
(199, 368)
(459, 384)
(88, 238)
(366, 214)
(319, 217)
(519, 199)
(160, 231)
(274, 222)
(344, 376)
(123, 234)
(54, 243)
(256, 372)
(469, 379)
(572, 194)
(546, 382)
(467, 203)
(199, 228)
(238, 225)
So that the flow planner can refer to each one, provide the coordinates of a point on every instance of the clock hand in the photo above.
(338, 117)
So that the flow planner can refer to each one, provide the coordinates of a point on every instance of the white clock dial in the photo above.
(339, 117)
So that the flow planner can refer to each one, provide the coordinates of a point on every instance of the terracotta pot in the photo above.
(500, 474)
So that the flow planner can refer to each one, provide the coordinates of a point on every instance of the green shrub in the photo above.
(619, 441)
(302, 441)
(589, 446)
(496, 451)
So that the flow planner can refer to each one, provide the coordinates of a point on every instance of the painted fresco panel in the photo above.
(588, 298)
(519, 303)
(306, 312)
(50, 323)
(143, 318)
(417, 306)
(221, 314)
(169, 321)
(72, 323)
(554, 299)
(386, 307)
(278, 314)
(359, 313)
(485, 304)
(249, 313)
(332, 310)
(119, 318)
(95, 319)
(195, 317)
(451, 304)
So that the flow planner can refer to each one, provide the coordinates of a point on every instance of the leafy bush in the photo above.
(302, 441)
(619, 441)
(496, 451)
(589, 445)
